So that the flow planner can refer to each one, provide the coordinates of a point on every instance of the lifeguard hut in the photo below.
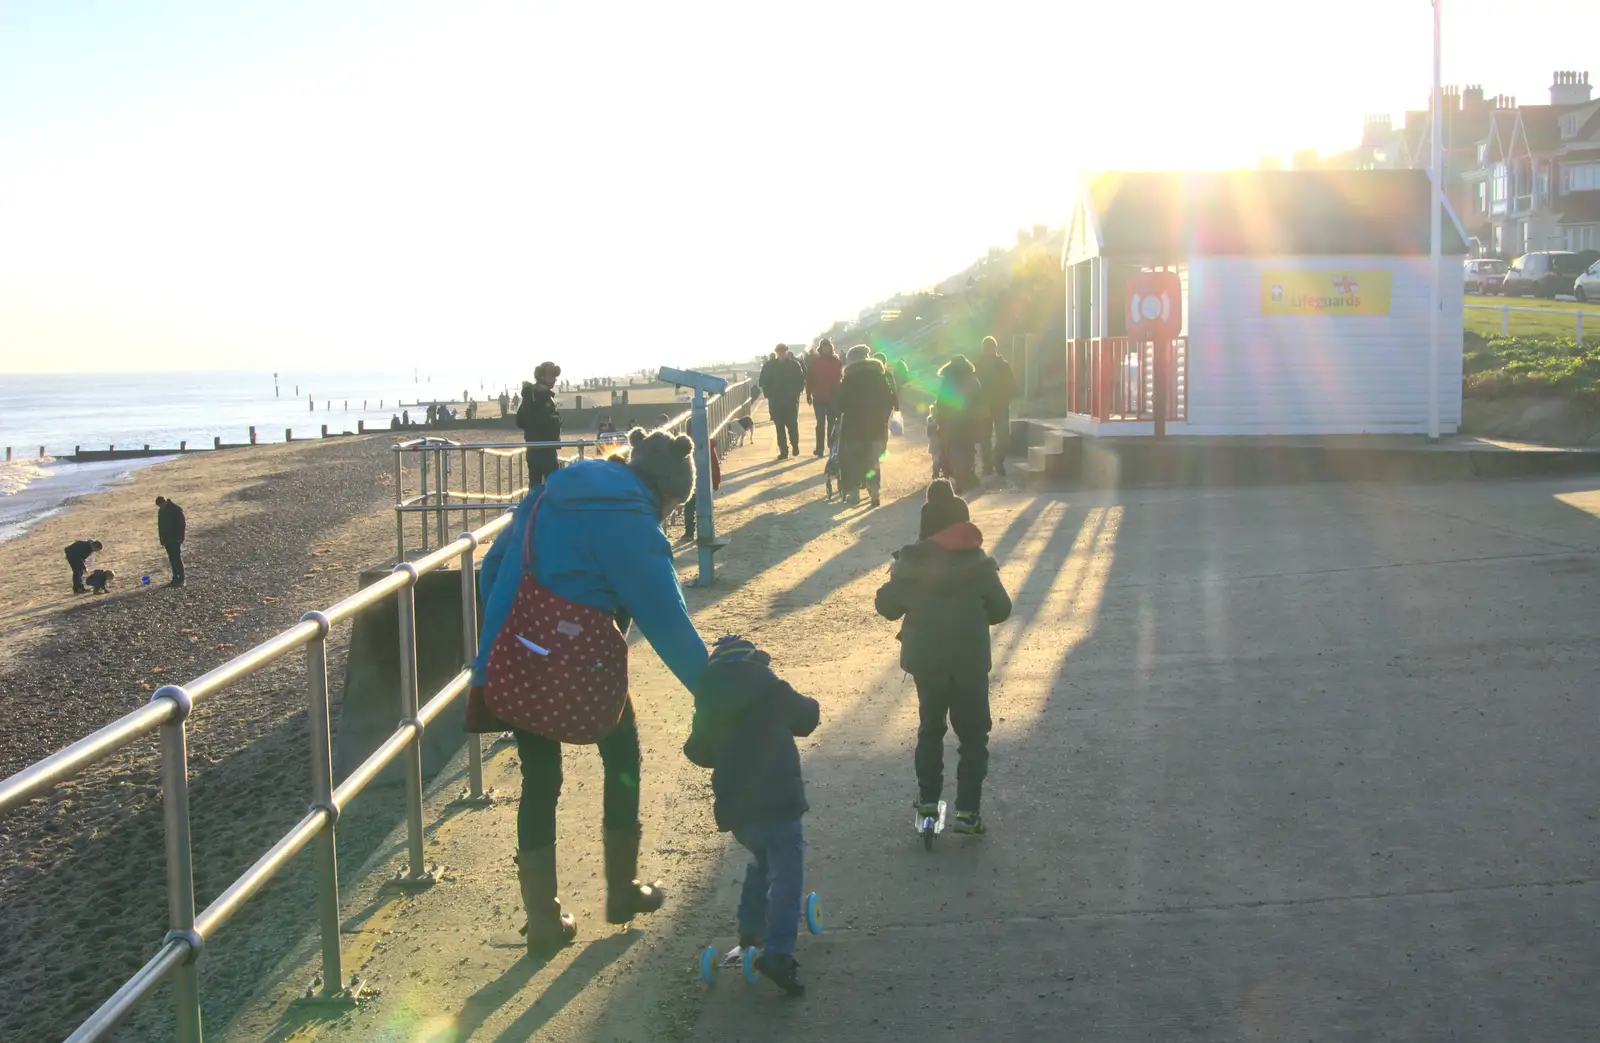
(1304, 303)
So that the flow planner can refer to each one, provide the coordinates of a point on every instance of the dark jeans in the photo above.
(996, 437)
(541, 782)
(77, 573)
(965, 702)
(175, 559)
(542, 463)
(769, 905)
(688, 518)
(827, 415)
(786, 418)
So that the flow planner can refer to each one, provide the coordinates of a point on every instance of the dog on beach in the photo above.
(99, 580)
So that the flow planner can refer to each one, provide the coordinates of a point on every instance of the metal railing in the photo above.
(445, 471)
(1113, 378)
(167, 712)
(1505, 311)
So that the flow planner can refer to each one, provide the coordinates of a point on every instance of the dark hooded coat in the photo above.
(949, 593)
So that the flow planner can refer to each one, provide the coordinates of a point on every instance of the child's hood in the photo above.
(953, 555)
(728, 689)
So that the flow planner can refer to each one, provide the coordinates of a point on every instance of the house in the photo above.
(1304, 303)
(1535, 184)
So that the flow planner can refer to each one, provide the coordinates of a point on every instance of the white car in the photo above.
(1587, 286)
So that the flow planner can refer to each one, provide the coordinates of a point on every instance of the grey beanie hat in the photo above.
(858, 353)
(665, 463)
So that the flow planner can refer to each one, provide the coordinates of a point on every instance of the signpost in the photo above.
(1155, 315)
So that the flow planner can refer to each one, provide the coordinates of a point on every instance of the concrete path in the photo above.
(1310, 763)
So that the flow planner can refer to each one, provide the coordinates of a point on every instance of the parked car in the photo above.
(1484, 274)
(1587, 285)
(1547, 273)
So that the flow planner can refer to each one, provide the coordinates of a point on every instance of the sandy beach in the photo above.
(273, 531)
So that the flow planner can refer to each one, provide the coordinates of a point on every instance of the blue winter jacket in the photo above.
(598, 542)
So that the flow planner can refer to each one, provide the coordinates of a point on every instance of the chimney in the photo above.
(1451, 98)
(1570, 88)
(1472, 98)
(1376, 131)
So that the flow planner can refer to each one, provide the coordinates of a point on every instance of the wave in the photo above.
(17, 475)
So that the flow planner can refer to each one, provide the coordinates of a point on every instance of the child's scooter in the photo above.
(928, 825)
(743, 960)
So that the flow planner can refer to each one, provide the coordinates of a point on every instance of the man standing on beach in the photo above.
(79, 555)
(171, 527)
(540, 420)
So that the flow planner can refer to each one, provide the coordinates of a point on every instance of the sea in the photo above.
(61, 412)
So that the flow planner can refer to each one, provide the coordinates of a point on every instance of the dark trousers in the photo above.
(827, 415)
(996, 437)
(77, 573)
(175, 559)
(964, 701)
(688, 518)
(542, 463)
(769, 904)
(541, 782)
(786, 418)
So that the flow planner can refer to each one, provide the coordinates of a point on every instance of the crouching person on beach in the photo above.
(597, 543)
(745, 722)
(79, 554)
(949, 593)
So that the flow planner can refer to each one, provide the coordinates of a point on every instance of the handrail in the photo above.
(1505, 311)
(168, 711)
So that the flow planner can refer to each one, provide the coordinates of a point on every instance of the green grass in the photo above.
(1546, 319)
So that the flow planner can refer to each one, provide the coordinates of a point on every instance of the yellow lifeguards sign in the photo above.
(1330, 292)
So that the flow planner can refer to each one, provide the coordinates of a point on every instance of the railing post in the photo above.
(483, 488)
(1580, 329)
(704, 523)
(418, 875)
(327, 867)
(441, 476)
(422, 515)
(399, 503)
(1505, 320)
(476, 795)
(180, 864)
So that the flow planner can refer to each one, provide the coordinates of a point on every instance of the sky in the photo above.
(389, 183)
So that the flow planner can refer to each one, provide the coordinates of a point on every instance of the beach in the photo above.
(273, 531)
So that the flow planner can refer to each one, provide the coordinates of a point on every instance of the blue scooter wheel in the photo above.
(814, 913)
(747, 963)
(709, 961)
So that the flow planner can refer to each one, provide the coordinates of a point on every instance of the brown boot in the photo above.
(548, 928)
(626, 897)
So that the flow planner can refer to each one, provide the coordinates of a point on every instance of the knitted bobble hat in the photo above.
(665, 464)
(943, 509)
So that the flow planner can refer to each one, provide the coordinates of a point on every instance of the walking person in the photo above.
(540, 420)
(594, 547)
(961, 420)
(999, 386)
(783, 381)
(866, 400)
(171, 528)
(79, 555)
(745, 723)
(949, 593)
(822, 392)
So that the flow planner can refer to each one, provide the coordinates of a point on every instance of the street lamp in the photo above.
(1435, 231)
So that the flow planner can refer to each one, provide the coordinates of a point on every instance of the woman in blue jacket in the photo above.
(598, 542)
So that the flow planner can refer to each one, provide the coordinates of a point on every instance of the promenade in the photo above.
(1314, 762)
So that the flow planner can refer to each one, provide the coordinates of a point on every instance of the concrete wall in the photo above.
(1256, 374)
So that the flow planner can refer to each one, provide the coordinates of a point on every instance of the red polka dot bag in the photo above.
(557, 668)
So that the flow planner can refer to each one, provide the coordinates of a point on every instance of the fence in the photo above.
(1505, 311)
(167, 711)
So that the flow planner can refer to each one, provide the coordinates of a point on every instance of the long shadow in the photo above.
(481, 1005)
(760, 472)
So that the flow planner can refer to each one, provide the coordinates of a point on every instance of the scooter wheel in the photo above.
(927, 835)
(747, 964)
(814, 913)
(709, 964)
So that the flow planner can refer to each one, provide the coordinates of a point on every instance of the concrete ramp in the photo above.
(370, 709)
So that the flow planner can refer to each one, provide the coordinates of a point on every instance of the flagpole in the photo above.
(1435, 230)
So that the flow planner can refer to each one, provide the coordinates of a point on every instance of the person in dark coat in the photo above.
(783, 382)
(949, 593)
(866, 399)
(962, 419)
(999, 386)
(745, 722)
(79, 554)
(171, 528)
(540, 420)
